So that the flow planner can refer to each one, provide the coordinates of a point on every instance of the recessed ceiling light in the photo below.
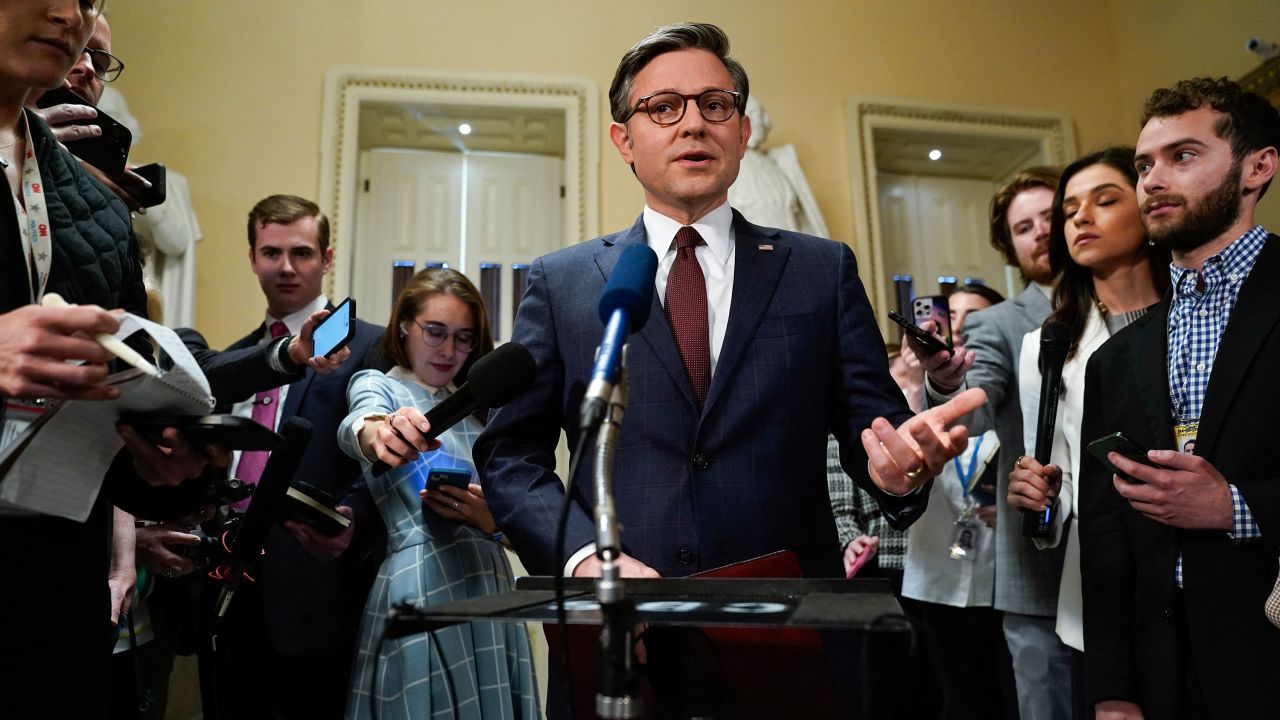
(464, 128)
(935, 154)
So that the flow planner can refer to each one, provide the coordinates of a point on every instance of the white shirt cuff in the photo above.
(576, 559)
(358, 425)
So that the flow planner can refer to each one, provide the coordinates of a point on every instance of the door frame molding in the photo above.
(347, 87)
(864, 115)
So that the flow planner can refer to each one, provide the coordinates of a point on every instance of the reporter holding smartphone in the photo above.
(442, 543)
(1109, 277)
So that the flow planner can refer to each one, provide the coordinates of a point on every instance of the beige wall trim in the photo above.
(347, 86)
(864, 115)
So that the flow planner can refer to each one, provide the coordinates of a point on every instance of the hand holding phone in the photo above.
(335, 331)
(927, 341)
(106, 151)
(1123, 444)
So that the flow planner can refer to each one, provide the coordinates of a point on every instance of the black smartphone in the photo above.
(316, 507)
(152, 196)
(334, 332)
(457, 477)
(237, 433)
(932, 345)
(107, 152)
(1123, 444)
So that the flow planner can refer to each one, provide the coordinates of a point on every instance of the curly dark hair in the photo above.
(1248, 121)
(1032, 177)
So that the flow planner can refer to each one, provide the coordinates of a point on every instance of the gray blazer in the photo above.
(1026, 578)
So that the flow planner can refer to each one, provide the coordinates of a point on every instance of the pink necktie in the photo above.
(686, 306)
(252, 462)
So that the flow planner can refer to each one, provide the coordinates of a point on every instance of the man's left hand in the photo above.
(902, 459)
(1187, 492)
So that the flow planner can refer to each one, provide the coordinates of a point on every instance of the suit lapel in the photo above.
(656, 333)
(1150, 370)
(755, 278)
(1253, 318)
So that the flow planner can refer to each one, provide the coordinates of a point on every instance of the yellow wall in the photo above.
(230, 92)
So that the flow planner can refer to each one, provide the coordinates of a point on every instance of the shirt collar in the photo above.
(294, 321)
(1233, 264)
(716, 229)
(404, 374)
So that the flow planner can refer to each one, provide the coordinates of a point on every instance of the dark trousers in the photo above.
(245, 678)
(970, 659)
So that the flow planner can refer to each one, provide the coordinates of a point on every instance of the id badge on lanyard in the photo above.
(1184, 436)
(964, 534)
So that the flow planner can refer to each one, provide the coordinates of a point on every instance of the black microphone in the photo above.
(263, 512)
(1055, 342)
(494, 381)
(624, 308)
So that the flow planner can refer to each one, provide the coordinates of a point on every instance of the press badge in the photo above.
(964, 535)
(1184, 437)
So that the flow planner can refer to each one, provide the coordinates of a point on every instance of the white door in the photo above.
(410, 208)
(935, 226)
(514, 213)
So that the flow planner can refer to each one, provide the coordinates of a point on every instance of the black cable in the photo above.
(562, 619)
(444, 669)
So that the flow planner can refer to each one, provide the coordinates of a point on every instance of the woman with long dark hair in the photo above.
(1109, 276)
(442, 542)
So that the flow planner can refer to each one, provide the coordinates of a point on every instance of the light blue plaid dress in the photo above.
(476, 670)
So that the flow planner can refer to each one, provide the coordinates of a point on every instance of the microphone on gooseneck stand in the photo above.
(624, 308)
(263, 510)
(1055, 342)
(494, 381)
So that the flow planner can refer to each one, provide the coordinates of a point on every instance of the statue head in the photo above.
(760, 123)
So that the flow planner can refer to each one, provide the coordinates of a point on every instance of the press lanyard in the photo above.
(973, 464)
(37, 241)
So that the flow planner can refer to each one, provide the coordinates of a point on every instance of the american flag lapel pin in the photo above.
(767, 247)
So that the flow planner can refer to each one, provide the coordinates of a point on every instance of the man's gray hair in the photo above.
(685, 36)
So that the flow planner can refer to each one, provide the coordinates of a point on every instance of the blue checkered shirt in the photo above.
(1197, 319)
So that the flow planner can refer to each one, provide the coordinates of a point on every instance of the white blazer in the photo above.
(1066, 455)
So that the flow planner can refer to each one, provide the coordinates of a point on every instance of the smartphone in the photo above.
(1123, 444)
(152, 196)
(457, 477)
(237, 433)
(932, 345)
(107, 152)
(937, 309)
(334, 332)
(316, 507)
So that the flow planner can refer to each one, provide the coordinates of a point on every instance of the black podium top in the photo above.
(858, 604)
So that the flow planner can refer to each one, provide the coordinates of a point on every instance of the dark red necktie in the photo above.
(686, 306)
(253, 462)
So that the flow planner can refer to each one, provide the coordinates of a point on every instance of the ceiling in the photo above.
(423, 126)
(906, 152)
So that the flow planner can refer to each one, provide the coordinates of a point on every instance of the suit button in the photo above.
(686, 557)
(701, 462)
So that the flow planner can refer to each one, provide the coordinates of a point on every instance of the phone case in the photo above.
(456, 477)
(344, 312)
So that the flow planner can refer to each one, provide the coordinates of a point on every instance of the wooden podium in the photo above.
(750, 640)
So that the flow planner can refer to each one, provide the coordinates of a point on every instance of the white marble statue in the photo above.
(771, 189)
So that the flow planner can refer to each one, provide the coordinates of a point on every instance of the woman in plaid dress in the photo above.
(442, 544)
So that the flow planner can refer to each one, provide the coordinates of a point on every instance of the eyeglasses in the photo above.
(667, 108)
(434, 334)
(105, 65)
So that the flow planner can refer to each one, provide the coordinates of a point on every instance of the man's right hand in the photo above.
(154, 542)
(946, 370)
(301, 347)
(627, 565)
(64, 121)
(36, 342)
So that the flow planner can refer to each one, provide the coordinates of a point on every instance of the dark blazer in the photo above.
(308, 604)
(1131, 638)
(802, 357)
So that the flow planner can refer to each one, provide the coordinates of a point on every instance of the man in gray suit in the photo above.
(1026, 578)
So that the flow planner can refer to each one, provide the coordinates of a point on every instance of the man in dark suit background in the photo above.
(1176, 567)
(287, 646)
(721, 456)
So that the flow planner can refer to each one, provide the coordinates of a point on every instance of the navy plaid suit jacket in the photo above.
(802, 356)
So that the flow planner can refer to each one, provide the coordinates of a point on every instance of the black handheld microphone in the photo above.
(263, 511)
(494, 381)
(1055, 342)
(624, 309)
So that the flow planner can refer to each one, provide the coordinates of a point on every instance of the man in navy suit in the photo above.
(287, 647)
(722, 451)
